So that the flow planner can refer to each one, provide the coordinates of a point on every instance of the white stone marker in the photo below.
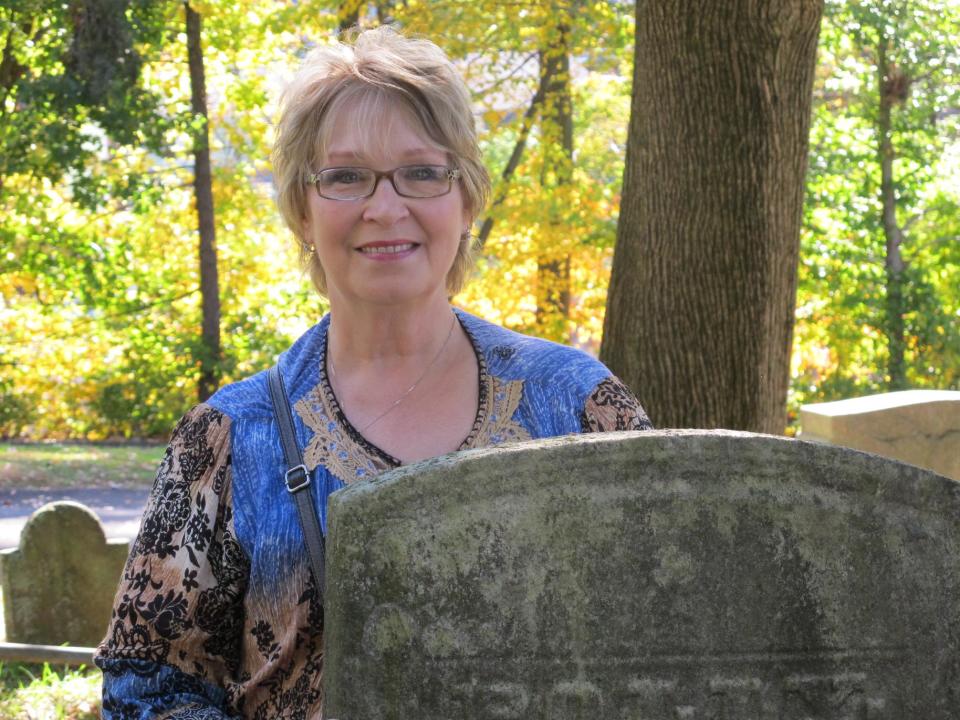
(920, 427)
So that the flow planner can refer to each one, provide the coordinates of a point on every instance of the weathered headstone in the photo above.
(646, 576)
(921, 427)
(58, 585)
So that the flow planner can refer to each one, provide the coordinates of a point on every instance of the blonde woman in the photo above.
(379, 177)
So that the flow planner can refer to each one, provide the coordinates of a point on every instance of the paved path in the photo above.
(118, 509)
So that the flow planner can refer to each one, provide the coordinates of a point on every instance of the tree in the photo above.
(203, 197)
(909, 57)
(100, 298)
(99, 282)
(701, 301)
(881, 261)
(540, 70)
(65, 67)
(556, 173)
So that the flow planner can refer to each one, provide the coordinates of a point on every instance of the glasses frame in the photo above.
(453, 174)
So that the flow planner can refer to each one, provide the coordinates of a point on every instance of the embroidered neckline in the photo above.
(347, 454)
(376, 451)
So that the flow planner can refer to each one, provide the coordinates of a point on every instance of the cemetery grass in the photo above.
(77, 465)
(30, 691)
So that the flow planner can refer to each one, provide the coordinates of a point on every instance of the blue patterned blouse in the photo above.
(216, 615)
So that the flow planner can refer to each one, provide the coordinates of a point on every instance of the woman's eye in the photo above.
(424, 172)
(346, 176)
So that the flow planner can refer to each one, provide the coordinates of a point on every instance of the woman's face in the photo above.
(384, 249)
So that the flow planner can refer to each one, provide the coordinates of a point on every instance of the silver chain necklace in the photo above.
(378, 418)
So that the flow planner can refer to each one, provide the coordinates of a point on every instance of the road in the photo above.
(118, 509)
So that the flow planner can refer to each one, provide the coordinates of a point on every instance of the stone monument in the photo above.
(646, 576)
(921, 427)
(58, 585)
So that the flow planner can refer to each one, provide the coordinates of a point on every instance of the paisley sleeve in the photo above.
(172, 649)
(611, 406)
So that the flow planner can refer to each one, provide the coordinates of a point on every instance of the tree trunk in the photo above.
(203, 194)
(553, 263)
(700, 311)
(889, 86)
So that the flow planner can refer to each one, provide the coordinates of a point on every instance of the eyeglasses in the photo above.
(410, 181)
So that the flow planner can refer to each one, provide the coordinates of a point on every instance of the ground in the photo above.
(76, 465)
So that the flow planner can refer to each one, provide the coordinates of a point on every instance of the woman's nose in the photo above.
(385, 206)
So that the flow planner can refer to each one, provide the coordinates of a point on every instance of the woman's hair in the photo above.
(378, 67)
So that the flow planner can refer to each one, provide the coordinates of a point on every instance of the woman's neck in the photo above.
(380, 336)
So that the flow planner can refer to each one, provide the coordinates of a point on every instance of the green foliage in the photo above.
(99, 298)
(98, 269)
(105, 266)
(841, 346)
(70, 80)
(549, 211)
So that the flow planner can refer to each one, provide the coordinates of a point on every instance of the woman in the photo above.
(379, 177)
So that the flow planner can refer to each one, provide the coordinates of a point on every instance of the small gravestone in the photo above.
(58, 585)
(921, 427)
(646, 576)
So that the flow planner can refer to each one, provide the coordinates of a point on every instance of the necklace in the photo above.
(378, 418)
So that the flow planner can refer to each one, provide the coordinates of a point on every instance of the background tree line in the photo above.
(135, 275)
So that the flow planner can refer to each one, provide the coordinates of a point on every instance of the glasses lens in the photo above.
(345, 183)
(422, 181)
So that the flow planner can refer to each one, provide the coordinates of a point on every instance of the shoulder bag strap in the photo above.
(297, 479)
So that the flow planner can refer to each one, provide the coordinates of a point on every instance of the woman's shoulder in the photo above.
(514, 356)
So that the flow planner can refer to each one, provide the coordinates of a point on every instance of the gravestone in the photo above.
(58, 585)
(646, 576)
(921, 427)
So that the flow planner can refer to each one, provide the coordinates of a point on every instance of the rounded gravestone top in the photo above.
(658, 574)
(62, 518)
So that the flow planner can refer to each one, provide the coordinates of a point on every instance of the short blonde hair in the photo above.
(376, 67)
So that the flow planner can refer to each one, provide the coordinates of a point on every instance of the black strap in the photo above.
(297, 479)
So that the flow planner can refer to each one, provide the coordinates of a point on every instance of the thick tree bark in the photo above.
(700, 310)
(892, 87)
(553, 263)
(203, 195)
